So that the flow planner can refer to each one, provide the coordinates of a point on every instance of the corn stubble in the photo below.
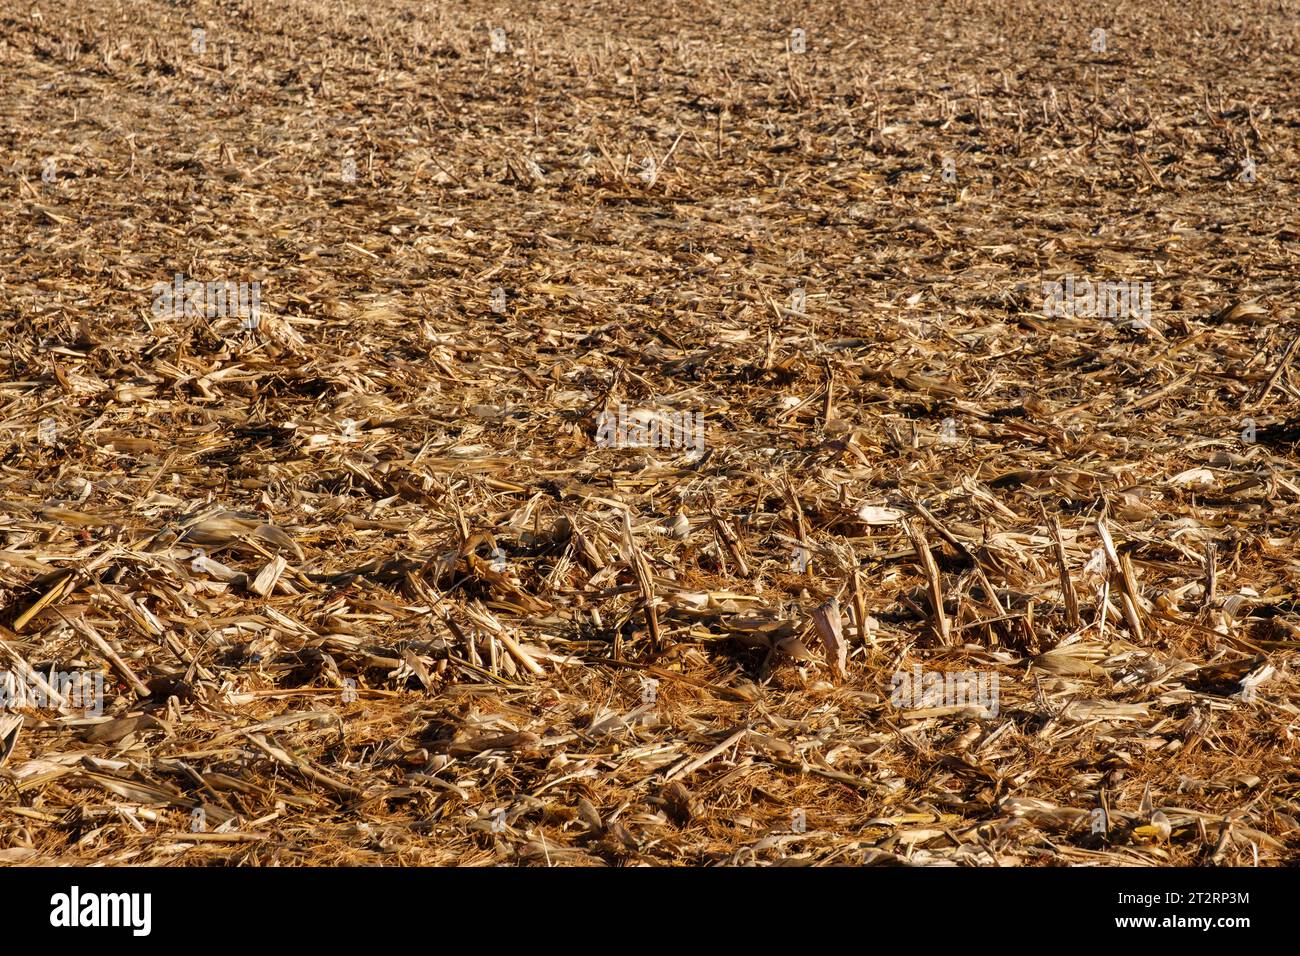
(366, 590)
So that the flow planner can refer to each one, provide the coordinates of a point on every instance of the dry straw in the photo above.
(363, 585)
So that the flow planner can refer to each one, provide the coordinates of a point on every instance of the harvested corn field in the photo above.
(598, 435)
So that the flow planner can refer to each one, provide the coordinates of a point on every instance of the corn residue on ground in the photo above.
(708, 434)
